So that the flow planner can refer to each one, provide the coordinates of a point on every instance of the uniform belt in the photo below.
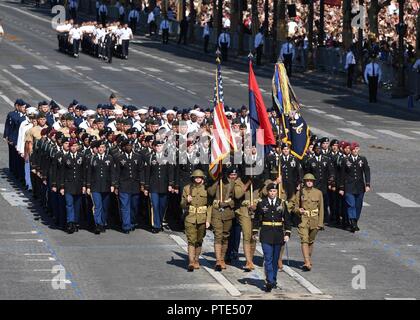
(202, 209)
(272, 224)
(311, 213)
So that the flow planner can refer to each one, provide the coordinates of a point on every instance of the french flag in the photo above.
(258, 113)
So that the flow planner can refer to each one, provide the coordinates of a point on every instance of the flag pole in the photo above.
(251, 190)
(220, 181)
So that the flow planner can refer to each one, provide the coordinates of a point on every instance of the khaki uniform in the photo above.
(196, 218)
(312, 201)
(33, 134)
(222, 214)
(93, 132)
(65, 131)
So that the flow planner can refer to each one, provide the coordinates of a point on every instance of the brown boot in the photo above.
(249, 266)
(306, 259)
(222, 260)
(197, 258)
(280, 262)
(191, 257)
(218, 254)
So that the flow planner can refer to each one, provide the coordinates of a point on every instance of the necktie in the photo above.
(288, 48)
(373, 69)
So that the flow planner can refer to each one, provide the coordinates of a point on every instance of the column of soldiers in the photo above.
(148, 167)
(99, 40)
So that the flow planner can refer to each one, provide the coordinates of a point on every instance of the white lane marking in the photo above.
(28, 240)
(180, 88)
(83, 68)
(5, 98)
(181, 70)
(400, 298)
(189, 91)
(29, 86)
(244, 84)
(366, 204)
(24, 232)
(317, 111)
(263, 90)
(301, 280)
(13, 199)
(399, 200)
(205, 72)
(320, 132)
(333, 116)
(37, 254)
(355, 123)
(27, 13)
(216, 275)
(40, 67)
(17, 66)
(394, 134)
(50, 280)
(37, 260)
(357, 133)
(43, 270)
(152, 69)
(61, 67)
(130, 69)
(110, 68)
(416, 132)
(234, 81)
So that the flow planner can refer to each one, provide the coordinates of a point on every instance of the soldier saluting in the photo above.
(197, 220)
(272, 220)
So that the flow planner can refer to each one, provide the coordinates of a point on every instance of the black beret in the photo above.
(271, 186)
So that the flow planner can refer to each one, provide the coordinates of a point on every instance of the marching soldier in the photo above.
(309, 205)
(72, 185)
(272, 222)
(197, 220)
(128, 178)
(222, 214)
(99, 184)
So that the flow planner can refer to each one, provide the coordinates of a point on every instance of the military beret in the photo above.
(232, 170)
(42, 103)
(19, 102)
(95, 143)
(112, 96)
(72, 142)
(344, 144)
(69, 117)
(163, 110)
(125, 107)
(324, 139)
(100, 106)
(317, 145)
(284, 145)
(73, 130)
(157, 142)
(244, 107)
(354, 145)
(175, 109)
(45, 131)
(133, 108)
(333, 142)
(74, 103)
(126, 142)
(54, 105)
(149, 138)
(41, 115)
(207, 110)
(62, 137)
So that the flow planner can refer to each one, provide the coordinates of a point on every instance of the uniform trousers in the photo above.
(76, 43)
(234, 239)
(206, 43)
(165, 36)
(259, 54)
(221, 228)
(73, 202)
(195, 233)
(125, 44)
(127, 201)
(159, 201)
(28, 175)
(350, 75)
(133, 25)
(271, 257)
(224, 50)
(122, 18)
(354, 203)
(100, 207)
(373, 88)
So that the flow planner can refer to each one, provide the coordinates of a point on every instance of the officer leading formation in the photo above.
(125, 167)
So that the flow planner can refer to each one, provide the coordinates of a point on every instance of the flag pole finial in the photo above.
(250, 56)
(218, 54)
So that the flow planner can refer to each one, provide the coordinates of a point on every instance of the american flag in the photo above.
(223, 140)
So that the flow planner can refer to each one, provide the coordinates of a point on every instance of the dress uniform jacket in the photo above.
(71, 175)
(128, 174)
(291, 171)
(56, 167)
(197, 208)
(99, 173)
(184, 170)
(323, 171)
(159, 176)
(355, 175)
(279, 217)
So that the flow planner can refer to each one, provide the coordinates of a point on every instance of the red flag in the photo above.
(258, 112)
(335, 3)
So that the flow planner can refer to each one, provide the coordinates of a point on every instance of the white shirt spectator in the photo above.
(99, 34)
(126, 34)
(164, 24)
(226, 23)
(121, 10)
(373, 69)
(206, 30)
(24, 126)
(134, 14)
(224, 38)
(287, 48)
(150, 17)
(73, 4)
(350, 59)
(103, 9)
(259, 39)
(98, 4)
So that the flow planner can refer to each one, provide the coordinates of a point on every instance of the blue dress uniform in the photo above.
(159, 176)
(72, 181)
(128, 176)
(98, 180)
(355, 177)
(273, 220)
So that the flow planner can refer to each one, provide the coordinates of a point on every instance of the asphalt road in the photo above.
(146, 266)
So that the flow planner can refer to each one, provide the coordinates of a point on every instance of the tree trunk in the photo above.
(418, 34)
(321, 31)
(191, 23)
(347, 29)
(282, 21)
(373, 13)
(241, 27)
(255, 20)
(274, 31)
(219, 17)
(266, 18)
(311, 35)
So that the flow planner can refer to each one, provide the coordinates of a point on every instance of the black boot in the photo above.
(97, 229)
(353, 225)
(356, 226)
(70, 228)
(268, 287)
